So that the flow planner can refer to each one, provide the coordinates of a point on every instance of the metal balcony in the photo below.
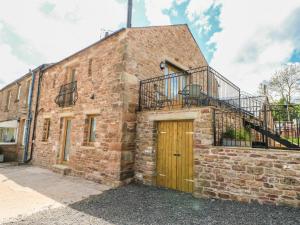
(68, 95)
(195, 87)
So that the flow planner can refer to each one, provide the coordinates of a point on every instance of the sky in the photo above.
(245, 40)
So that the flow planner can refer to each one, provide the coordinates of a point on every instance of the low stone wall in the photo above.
(241, 174)
(247, 174)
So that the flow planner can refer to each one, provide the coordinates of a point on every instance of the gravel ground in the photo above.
(137, 204)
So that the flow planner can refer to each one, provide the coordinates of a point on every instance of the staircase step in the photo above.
(271, 135)
(61, 169)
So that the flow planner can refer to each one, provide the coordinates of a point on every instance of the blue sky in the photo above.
(243, 41)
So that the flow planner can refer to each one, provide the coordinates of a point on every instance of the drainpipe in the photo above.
(29, 117)
(36, 113)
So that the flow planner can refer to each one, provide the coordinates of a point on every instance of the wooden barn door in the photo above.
(175, 155)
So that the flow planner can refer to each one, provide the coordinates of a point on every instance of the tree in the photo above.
(285, 82)
(280, 90)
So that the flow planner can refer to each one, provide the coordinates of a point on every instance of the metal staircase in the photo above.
(253, 121)
(271, 135)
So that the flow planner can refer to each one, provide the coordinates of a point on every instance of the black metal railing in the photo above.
(258, 124)
(67, 95)
(195, 87)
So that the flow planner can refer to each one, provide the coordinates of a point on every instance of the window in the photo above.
(69, 92)
(8, 132)
(7, 135)
(73, 75)
(174, 83)
(46, 129)
(19, 92)
(90, 130)
(54, 81)
(90, 67)
(27, 92)
(8, 100)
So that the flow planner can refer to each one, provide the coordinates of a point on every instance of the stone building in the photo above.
(141, 105)
(91, 128)
(16, 100)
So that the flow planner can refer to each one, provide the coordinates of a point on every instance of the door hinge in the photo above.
(189, 132)
(163, 132)
(176, 154)
(192, 181)
(162, 175)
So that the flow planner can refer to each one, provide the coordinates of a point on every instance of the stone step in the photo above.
(61, 169)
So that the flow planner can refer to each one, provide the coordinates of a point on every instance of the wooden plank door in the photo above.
(175, 155)
(185, 160)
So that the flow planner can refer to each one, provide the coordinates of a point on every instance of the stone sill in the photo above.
(192, 109)
(87, 147)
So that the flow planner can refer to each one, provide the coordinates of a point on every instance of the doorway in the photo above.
(175, 155)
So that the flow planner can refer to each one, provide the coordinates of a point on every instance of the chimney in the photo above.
(129, 14)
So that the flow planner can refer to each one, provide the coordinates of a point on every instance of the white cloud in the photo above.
(11, 67)
(251, 45)
(154, 11)
(197, 13)
(54, 34)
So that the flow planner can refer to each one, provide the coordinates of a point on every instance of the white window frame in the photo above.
(10, 124)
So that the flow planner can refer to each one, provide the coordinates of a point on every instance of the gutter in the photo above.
(41, 73)
(29, 117)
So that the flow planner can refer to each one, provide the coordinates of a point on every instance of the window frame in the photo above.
(8, 100)
(18, 92)
(91, 125)
(13, 126)
(87, 135)
(46, 130)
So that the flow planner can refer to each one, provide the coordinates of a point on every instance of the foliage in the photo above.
(242, 134)
(285, 112)
(284, 83)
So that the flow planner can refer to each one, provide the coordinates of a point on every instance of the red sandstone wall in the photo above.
(245, 174)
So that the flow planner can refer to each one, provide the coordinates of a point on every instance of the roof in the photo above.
(43, 66)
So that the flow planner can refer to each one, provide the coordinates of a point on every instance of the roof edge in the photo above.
(95, 43)
(41, 67)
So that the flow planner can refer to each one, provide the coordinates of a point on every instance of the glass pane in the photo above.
(68, 141)
(92, 130)
(8, 135)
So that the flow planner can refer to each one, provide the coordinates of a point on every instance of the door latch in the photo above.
(177, 154)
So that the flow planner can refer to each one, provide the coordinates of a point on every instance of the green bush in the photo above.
(242, 134)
